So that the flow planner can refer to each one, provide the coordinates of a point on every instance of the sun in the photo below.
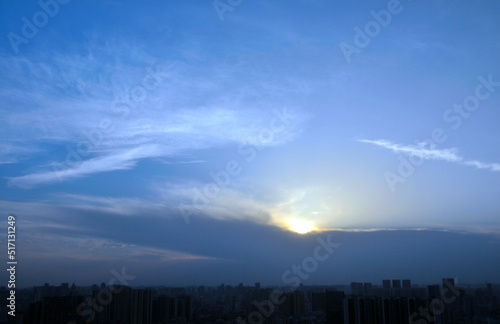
(301, 226)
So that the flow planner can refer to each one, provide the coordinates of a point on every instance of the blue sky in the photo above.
(250, 122)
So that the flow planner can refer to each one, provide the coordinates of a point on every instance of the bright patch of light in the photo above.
(301, 226)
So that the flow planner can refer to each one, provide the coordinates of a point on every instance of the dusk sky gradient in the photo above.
(191, 143)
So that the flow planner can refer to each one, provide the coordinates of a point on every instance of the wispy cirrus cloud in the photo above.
(56, 105)
(421, 150)
(426, 151)
(122, 160)
(92, 248)
(10, 152)
(481, 165)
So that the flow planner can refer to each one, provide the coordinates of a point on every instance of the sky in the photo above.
(209, 142)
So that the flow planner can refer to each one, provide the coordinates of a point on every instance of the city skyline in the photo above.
(116, 280)
(396, 302)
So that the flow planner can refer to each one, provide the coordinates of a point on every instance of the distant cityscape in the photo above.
(392, 302)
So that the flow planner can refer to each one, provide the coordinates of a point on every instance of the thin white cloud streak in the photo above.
(119, 161)
(10, 153)
(119, 206)
(94, 248)
(47, 214)
(428, 152)
(58, 101)
(420, 150)
(481, 165)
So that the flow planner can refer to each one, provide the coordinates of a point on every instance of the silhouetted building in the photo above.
(183, 307)
(367, 288)
(60, 310)
(141, 306)
(396, 311)
(433, 291)
(335, 310)
(164, 309)
(294, 304)
(318, 301)
(34, 313)
(452, 297)
(122, 304)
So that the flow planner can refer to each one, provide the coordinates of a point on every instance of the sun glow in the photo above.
(301, 226)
